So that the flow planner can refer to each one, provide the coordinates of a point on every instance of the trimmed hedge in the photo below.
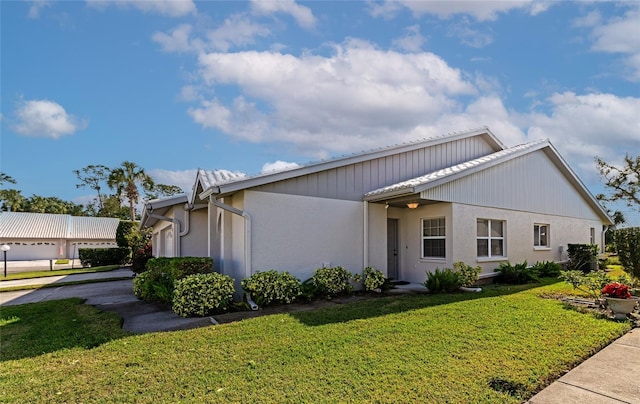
(272, 287)
(98, 257)
(202, 294)
(330, 282)
(157, 283)
(628, 248)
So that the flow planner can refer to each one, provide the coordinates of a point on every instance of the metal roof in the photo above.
(412, 185)
(52, 226)
(229, 187)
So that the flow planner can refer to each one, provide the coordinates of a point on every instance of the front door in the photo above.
(392, 249)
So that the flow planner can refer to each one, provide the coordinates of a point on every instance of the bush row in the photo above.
(97, 257)
(190, 286)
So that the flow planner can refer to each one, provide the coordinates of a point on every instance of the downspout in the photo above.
(247, 241)
(176, 240)
(188, 207)
(365, 230)
(603, 242)
(247, 231)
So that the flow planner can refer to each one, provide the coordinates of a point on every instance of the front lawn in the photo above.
(498, 346)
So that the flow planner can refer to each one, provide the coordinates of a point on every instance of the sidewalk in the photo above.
(47, 280)
(610, 376)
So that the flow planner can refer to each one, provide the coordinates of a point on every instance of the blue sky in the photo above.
(249, 86)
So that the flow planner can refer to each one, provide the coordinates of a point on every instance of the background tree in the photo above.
(125, 180)
(93, 176)
(623, 182)
(163, 191)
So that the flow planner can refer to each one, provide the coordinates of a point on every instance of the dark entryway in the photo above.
(392, 248)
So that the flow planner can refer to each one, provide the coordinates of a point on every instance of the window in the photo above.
(490, 241)
(592, 235)
(541, 235)
(433, 238)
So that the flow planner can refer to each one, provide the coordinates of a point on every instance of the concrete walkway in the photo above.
(611, 376)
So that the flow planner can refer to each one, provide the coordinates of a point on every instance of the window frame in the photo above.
(537, 245)
(489, 238)
(442, 237)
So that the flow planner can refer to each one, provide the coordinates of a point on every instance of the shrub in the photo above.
(591, 283)
(374, 279)
(160, 276)
(582, 256)
(201, 294)
(139, 259)
(547, 269)
(628, 247)
(98, 257)
(153, 286)
(468, 274)
(445, 280)
(329, 282)
(272, 287)
(516, 274)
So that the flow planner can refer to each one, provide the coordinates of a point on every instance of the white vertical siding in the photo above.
(352, 181)
(530, 183)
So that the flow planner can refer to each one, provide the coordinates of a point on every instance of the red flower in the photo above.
(616, 290)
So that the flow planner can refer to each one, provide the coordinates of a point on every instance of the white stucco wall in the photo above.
(299, 234)
(461, 223)
(194, 243)
(377, 230)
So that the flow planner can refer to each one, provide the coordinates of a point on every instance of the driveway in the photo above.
(115, 296)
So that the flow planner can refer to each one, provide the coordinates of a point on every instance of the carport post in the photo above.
(4, 249)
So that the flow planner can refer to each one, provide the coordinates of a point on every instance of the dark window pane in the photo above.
(496, 247)
(483, 228)
(483, 248)
(496, 229)
(434, 248)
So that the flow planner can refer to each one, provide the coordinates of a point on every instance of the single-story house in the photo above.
(37, 236)
(405, 210)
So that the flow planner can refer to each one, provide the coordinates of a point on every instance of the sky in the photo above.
(252, 86)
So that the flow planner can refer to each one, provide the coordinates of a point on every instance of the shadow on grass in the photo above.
(398, 303)
(33, 329)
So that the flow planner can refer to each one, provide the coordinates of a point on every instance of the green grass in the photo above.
(498, 346)
(57, 272)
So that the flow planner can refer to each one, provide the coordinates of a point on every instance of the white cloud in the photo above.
(169, 8)
(590, 124)
(178, 40)
(322, 103)
(36, 6)
(46, 119)
(412, 41)
(278, 165)
(183, 178)
(237, 30)
(468, 35)
(620, 35)
(480, 10)
(303, 15)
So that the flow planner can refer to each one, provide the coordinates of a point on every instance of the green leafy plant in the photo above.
(582, 256)
(98, 257)
(517, 274)
(468, 274)
(271, 287)
(374, 279)
(330, 282)
(442, 280)
(157, 282)
(202, 294)
(547, 269)
(628, 248)
(591, 283)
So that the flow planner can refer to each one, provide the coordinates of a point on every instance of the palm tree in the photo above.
(125, 180)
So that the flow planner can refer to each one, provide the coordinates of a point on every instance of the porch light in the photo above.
(412, 205)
